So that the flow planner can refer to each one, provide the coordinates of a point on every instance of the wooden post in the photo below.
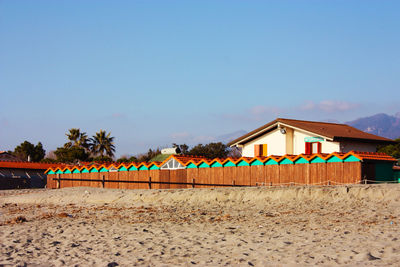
(149, 182)
(103, 181)
(193, 182)
(58, 181)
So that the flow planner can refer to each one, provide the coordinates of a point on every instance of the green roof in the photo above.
(160, 157)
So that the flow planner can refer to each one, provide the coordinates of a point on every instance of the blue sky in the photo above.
(157, 72)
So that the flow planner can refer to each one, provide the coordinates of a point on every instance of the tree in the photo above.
(211, 150)
(146, 157)
(26, 151)
(39, 153)
(392, 150)
(102, 159)
(235, 152)
(182, 149)
(127, 159)
(102, 143)
(71, 154)
(77, 138)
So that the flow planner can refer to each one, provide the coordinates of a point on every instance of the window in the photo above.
(313, 147)
(172, 164)
(261, 150)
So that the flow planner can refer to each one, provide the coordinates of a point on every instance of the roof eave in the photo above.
(375, 141)
(253, 134)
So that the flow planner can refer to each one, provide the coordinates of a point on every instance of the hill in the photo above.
(380, 124)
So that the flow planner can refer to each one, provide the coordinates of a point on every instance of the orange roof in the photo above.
(276, 158)
(234, 160)
(134, 164)
(157, 163)
(371, 156)
(261, 158)
(29, 165)
(290, 157)
(246, 159)
(184, 159)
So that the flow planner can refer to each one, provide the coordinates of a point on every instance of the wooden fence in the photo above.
(262, 175)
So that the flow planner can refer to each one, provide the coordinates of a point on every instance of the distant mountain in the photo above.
(380, 124)
(226, 138)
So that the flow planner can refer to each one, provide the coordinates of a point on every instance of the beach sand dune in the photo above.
(346, 225)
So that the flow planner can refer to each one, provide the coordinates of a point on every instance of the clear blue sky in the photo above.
(157, 72)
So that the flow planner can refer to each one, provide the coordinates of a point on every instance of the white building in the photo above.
(286, 136)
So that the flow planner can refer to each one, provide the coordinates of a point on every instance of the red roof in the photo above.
(372, 156)
(29, 165)
(185, 159)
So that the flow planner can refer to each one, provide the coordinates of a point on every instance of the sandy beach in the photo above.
(295, 226)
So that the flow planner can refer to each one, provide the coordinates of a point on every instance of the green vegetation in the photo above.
(27, 151)
(71, 154)
(77, 139)
(392, 150)
(102, 143)
(100, 148)
(79, 147)
(211, 150)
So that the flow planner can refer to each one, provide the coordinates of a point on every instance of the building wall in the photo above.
(36, 178)
(357, 146)
(275, 140)
(277, 144)
(300, 147)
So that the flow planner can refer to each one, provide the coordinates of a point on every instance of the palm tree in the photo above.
(83, 141)
(76, 138)
(73, 135)
(102, 143)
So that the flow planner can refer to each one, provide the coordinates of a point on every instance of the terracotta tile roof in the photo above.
(5, 156)
(262, 158)
(333, 131)
(372, 156)
(234, 160)
(157, 163)
(290, 157)
(247, 159)
(216, 160)
(307, 156)
(29, 165)
(275, 157)
(134, 164)
(183, 159)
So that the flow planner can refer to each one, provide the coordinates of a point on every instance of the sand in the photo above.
(295, 226)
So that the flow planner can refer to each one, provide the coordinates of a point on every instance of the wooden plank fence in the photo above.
(262, 175)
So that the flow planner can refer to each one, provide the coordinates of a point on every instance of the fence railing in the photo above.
(149, 182)
(193, 184)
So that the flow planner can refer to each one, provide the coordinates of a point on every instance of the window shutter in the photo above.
(308, 148)
(264, 150)
(257, 150)
(319, 147)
